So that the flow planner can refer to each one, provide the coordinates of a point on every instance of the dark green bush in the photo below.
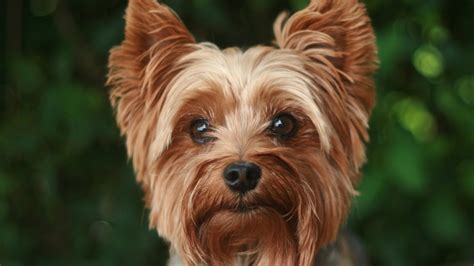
(68, 196)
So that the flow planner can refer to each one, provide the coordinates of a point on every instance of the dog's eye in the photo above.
(283, 126)
(199, 131)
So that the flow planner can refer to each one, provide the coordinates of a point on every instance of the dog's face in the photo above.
(246, 152)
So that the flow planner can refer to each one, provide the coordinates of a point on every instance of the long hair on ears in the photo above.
(336, 36)
(140, 70)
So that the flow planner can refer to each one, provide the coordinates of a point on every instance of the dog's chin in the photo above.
(244, 232)
(245, 229)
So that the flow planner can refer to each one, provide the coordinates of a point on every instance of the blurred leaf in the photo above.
(428, 61)
(414, 117)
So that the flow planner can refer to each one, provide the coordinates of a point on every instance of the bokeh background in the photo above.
(67, 192)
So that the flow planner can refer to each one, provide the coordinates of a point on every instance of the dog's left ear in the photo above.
(337, 35)
(338, 31)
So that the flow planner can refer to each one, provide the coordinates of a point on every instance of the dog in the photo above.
(247, 157)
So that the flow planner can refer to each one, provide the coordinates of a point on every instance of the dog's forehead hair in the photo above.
(250, 80)
(241, 75)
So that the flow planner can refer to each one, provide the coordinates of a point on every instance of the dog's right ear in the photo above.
(140, 70)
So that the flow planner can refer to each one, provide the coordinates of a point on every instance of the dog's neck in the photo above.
(346, 251)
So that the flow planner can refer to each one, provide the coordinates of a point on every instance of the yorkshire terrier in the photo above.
(247, 157)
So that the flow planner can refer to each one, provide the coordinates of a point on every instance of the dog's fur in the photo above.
(320, 71)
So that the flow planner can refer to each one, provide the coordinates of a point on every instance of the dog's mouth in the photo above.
(243, 207)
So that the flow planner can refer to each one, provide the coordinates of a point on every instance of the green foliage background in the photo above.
(68, 195)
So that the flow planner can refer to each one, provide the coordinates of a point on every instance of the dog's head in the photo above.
(252, 152)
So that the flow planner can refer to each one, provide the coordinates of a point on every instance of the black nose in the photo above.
(242, 176)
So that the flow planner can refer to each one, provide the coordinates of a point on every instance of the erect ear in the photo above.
(337, 32)
(338, 40)
(140, 70)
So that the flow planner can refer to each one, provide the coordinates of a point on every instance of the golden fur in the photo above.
(320, 71)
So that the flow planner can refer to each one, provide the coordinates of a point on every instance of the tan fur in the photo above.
(320, 72)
